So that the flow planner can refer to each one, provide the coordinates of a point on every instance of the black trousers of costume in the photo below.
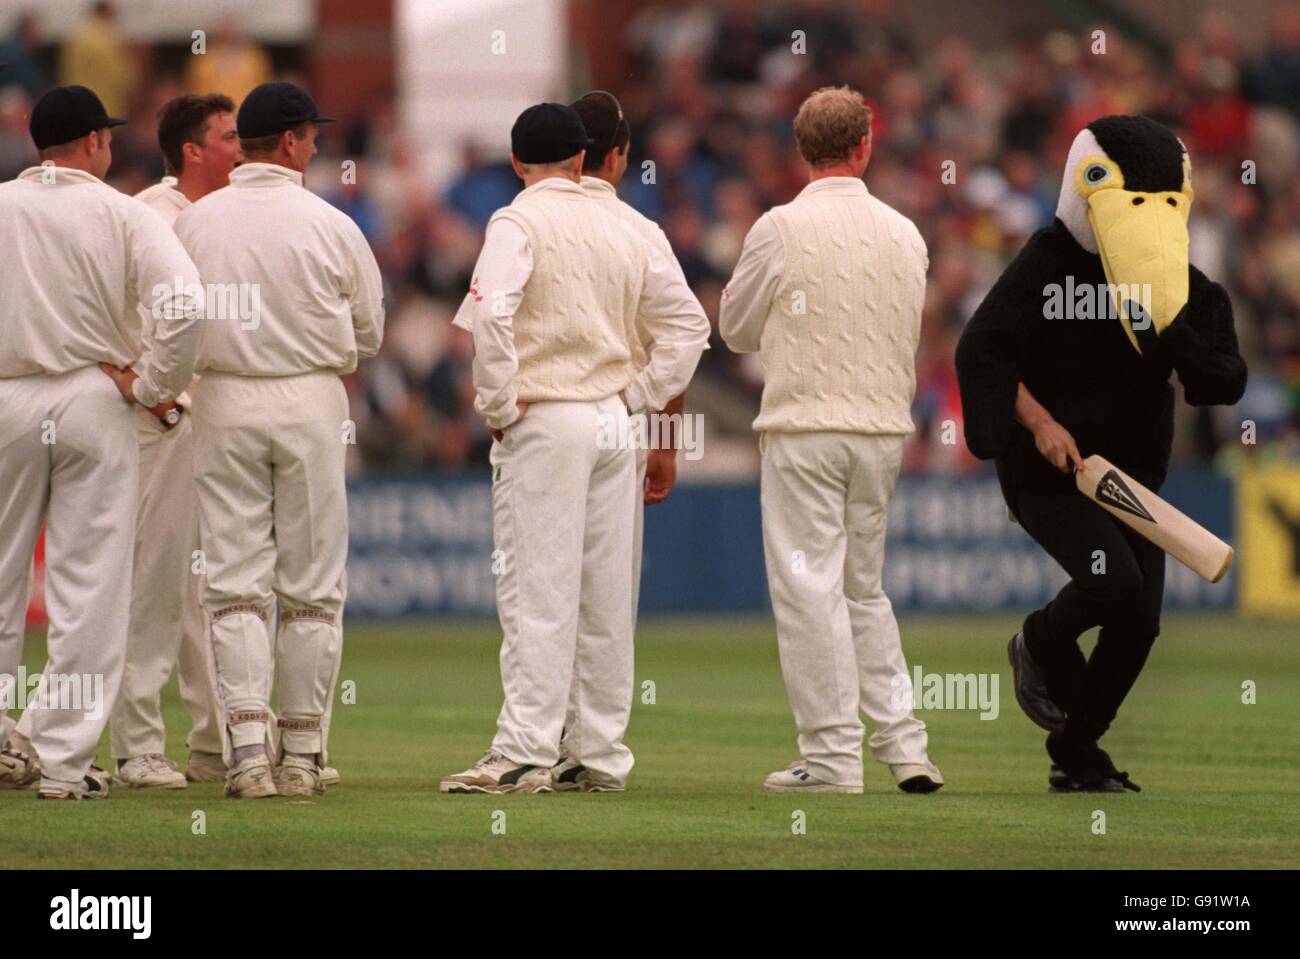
(1117, 582)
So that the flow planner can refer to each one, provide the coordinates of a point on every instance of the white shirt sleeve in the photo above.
(504, 265)
(678, 330)
(164, 279)
(465, 312)
(747, 298)
(366, 294)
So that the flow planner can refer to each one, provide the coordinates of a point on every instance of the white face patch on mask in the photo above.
(1072, 208)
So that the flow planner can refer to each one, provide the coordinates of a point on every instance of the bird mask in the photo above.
(1126, 195)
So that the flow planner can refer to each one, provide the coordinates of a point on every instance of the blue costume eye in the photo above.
(1096, 173)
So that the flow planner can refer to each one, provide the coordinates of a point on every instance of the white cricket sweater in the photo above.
(838, 342)
(79, 257)
(293, 285)
(577, 317)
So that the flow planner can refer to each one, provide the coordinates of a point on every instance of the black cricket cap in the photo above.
(548, 132)
(68, 113)
(275, 107)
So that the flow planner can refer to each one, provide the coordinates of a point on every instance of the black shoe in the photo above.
(1031, 687)
(1083, 767)
(1059, 781)
(565, 773)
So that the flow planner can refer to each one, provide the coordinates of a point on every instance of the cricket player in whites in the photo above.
(271, 430)
(602, 169)
(200, 147)
(828, 291)
(558, 289)
(80, 257)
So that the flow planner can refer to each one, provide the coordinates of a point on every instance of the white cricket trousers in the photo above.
(166, 620)
(166, 627)
(638, 531)
(562, 518)
(68, 453)
(825, 502)
(273, 524)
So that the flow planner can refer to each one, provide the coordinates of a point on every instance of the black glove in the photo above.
(1152, 350)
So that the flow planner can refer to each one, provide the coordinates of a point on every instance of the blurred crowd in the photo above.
(969, 142)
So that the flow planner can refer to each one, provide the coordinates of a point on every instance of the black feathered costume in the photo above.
(1106, 380)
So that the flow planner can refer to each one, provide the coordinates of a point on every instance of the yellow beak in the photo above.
(1142, 239)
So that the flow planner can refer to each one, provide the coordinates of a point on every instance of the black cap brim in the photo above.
(323, 120)
(115, 122)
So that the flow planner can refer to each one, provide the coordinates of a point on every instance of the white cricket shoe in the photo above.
(151, 771)
(19, 769)
(296, 776)
(251, 779)
(797, 778)
(205, 767)
(495, 773)
(92, 786)
(917, 777)
(100, 776)
(569, 775)
(329, 776)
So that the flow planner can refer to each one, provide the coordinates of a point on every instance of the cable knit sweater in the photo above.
(840, 325)
(579, 307)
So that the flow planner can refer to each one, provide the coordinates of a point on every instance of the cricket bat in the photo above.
(1136, 506)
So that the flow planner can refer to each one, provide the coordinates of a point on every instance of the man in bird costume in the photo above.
(1071, 353)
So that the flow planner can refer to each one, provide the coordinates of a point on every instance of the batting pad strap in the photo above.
(258, 611)
(318, 615)
(249, 716)
(305, 724)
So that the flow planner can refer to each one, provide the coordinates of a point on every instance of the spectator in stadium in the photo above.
(95, 56)
(16, 152)
(231, 63)
(22, 66)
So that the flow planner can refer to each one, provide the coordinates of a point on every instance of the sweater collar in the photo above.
(598, 188)
(551, 183)
(839, 185)
(263, 174)
(62, 174)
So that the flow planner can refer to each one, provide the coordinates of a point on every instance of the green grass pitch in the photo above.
(1220, 780)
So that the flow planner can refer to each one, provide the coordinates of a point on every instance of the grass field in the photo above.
(1220, 778)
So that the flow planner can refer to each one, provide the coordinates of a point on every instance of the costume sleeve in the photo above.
(1201, 345)
(992, 349)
